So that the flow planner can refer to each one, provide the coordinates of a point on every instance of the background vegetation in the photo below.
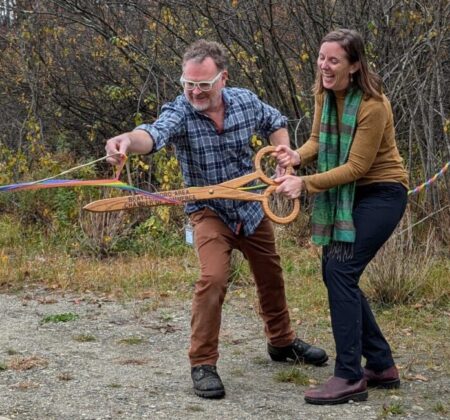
(75, 72)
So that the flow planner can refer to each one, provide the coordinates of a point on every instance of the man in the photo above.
(210, 127)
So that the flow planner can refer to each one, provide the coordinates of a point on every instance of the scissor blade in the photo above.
(180, 196)
(118, 203)
(134, 201)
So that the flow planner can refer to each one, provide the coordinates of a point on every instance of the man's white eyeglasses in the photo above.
(204, 86)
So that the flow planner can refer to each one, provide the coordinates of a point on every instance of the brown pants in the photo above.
(214, 242)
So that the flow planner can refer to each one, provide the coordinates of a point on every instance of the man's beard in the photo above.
(203, 106)
(200, 108)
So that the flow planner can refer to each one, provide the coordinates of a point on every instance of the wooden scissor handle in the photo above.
(258, 159)
(271, 215)
(271, 189)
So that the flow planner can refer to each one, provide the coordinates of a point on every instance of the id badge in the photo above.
(189, 234)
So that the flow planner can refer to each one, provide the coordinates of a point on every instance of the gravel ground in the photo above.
(136, 367)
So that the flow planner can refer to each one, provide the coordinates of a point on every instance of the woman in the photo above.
(361, 188)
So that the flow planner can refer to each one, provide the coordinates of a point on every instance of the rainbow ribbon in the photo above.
(53, 182)
(427, 183)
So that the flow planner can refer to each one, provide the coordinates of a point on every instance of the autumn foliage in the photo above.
(74, 73)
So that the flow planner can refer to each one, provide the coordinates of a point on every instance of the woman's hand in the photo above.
(286, 156)
(290, 186)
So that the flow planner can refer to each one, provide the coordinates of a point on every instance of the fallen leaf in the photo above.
(417, 377)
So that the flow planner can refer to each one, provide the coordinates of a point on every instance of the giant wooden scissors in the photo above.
(232, 190)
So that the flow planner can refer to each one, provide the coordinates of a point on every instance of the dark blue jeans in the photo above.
(377, 210)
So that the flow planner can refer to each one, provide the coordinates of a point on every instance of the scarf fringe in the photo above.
(341, 251)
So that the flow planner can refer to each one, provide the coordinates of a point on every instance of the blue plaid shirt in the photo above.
(208, 157)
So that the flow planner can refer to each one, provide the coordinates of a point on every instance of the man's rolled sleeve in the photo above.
(169, 125)
(270, 119)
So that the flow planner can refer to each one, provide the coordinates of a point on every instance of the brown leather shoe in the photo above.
(337, 391)
(388, 378)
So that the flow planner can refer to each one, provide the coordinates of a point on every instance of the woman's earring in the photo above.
(351, 77)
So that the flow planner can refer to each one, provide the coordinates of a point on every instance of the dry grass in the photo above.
(25, 385)
(65, 376)
(131, 341)
(26, 363)
(102, 231)
(405, 272)
(115, 277)
(133, 362)
(84, 338)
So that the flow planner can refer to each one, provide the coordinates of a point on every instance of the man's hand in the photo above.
(136, 141)
(290, 186)
(117, 147)
(286, 156)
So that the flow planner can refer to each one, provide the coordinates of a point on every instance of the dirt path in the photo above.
(124, 361)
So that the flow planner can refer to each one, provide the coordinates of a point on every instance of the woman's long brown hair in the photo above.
(366, 79)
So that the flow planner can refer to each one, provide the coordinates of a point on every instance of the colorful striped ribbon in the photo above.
(54, 182)
(430, 181)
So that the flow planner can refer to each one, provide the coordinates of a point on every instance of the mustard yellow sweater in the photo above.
(373, 157)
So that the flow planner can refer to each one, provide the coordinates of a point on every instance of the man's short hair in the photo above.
(202, 49)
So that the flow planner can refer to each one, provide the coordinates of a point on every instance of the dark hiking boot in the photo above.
(207, 382)
(299, 352)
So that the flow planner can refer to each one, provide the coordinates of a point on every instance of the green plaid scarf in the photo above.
(332, 220)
